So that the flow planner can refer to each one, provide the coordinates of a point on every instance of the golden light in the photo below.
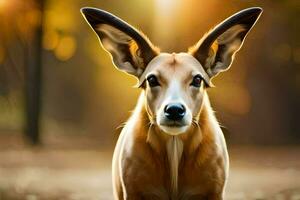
(50, 40)
(59, 18)
(166, 7)
(7, 7)
(65, 48)
(164, 23)
(3, 4)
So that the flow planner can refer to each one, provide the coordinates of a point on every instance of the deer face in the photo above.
(174, 86)
(174, 83)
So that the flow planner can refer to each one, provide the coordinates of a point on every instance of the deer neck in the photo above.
(175, 147)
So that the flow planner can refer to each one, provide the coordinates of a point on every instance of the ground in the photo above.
(71, 173)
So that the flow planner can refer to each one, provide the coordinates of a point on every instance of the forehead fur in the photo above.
(179, 63)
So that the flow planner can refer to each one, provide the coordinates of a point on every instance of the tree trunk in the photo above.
(33, 81)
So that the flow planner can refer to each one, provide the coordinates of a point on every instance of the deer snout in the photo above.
(174, 111)
(174, 118)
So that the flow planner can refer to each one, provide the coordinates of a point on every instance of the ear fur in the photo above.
(216, 50)
(130, 49)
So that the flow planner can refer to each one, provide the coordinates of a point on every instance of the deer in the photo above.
(172, 146)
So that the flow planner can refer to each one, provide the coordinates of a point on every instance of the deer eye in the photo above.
(197, 81)
(152, 80)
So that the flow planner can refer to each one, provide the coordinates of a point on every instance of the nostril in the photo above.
(174, 111)
(181, 110)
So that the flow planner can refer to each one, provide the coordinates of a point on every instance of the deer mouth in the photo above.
(174, 128)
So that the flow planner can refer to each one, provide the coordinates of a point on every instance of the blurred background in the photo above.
(62, 101)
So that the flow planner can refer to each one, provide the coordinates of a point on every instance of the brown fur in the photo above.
(144, 165)
(156, 156)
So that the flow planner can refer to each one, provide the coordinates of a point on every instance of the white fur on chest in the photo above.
(174, 151)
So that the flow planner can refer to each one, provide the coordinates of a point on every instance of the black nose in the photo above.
(174, 111)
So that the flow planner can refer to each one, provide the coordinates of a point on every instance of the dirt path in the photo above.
(255, 173)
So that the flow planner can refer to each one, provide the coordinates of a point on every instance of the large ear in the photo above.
(216, 50)
(130, 49)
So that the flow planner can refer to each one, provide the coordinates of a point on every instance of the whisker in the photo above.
(195, 123)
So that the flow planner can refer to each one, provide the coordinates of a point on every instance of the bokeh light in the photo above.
(50, 39)
(66, 48)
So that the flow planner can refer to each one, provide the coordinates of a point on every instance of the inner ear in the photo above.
(216, 50)
(130, 49)
(125, 52)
